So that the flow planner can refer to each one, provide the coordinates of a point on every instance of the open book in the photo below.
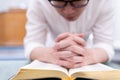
(39, 70)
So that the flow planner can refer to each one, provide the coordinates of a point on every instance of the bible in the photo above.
(37, 70)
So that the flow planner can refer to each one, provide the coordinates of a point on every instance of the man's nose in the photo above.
(69, 9)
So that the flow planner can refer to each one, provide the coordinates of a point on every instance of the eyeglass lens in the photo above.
(74, 3)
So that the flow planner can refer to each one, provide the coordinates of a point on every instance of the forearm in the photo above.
(40, 53)
(99, 55)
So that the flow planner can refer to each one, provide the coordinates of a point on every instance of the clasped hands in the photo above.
(70, 51)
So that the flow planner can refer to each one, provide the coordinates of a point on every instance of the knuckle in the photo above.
(70, 53)
(55, 54)
(73, 47)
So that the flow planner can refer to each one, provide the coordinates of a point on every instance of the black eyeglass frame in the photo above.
(66, 2)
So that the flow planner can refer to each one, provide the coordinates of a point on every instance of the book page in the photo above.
(94, 67)
(44, 66)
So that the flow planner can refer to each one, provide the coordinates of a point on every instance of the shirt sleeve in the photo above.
(103, 29)
(36, 28)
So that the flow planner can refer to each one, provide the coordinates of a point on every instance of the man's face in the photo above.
(69, 9)
(70, 13)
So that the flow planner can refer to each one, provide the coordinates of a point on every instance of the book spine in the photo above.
(69, 78)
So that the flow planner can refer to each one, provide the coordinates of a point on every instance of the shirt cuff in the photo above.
(108, 48)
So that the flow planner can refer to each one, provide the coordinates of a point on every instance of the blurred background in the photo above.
(12, 32)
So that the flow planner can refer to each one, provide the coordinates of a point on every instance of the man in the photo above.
(69, 23)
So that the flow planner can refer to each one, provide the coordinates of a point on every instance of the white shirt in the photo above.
(97, 18)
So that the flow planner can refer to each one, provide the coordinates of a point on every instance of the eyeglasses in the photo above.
(73, 3)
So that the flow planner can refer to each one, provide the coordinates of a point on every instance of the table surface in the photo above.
(11, 67)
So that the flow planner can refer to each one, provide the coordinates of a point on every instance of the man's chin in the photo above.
(71, 19)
